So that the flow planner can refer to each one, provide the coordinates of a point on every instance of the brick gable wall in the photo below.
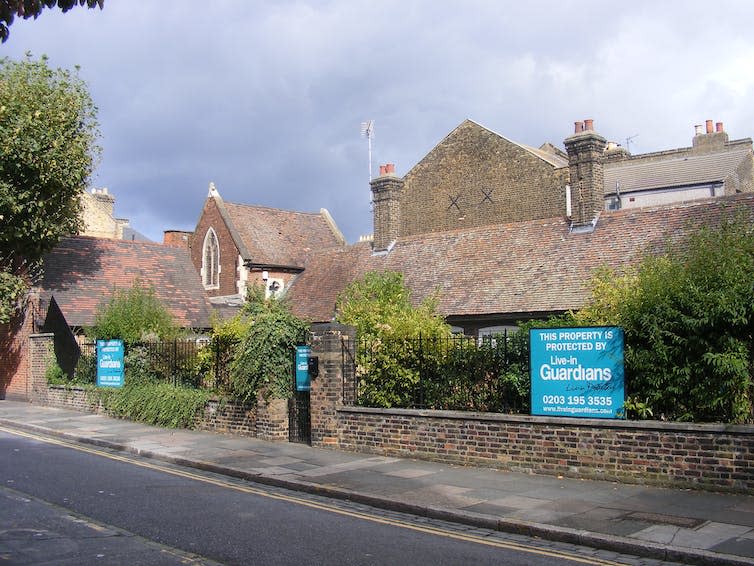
(475, 178)
(14, 359)
(14, 353)
(211, 217)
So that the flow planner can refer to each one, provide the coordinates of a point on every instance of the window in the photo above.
(274, 288)
(211, 261)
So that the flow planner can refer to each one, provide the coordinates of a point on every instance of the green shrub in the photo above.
(158, 404)
(55, 375)
(214, 359)
(379, 307)
(133, 315)
(139, 369)
(688, 318)
(264, 357)
(86, 370)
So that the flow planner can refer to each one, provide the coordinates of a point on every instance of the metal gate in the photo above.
(299, 414)
(299, 418)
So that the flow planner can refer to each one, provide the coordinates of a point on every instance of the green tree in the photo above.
(48, 149)
(688, 317)
(264, 358)
(32, 8)
(133, 314)
(388, 325)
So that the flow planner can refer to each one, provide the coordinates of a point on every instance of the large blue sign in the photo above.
(110, 367)
(577, 372)
(303, 380)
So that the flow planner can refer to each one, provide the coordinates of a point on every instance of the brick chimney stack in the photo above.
(585, 150)
(713, 138)
(176, 238)
(106, 200)
(387, 190)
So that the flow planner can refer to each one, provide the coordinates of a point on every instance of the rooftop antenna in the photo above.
(629, 139)
(367, 131)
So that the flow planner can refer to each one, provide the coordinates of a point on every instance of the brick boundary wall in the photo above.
(708, 456)
(702, 456)
(268, 420)
(233, 418)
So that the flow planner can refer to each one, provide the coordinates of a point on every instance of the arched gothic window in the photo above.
(211, 261)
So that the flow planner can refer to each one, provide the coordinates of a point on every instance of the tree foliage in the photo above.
(12, 291)
(133, 315)
(688, 318)
(264, 358)
(48, 148)
(26, 9)
(379, 307)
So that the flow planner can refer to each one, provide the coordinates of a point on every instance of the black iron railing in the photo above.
(187, 362)
(450, 373)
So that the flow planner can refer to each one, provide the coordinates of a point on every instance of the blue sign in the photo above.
(110, 367)
(577, 372)
(303, 381)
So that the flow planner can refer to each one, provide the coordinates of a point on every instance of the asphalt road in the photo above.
(63, 503)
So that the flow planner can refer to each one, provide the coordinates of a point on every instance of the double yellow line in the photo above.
(313, 504)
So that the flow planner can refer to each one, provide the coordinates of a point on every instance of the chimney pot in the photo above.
(698, 130)
(382, 170)
(719, 127)
(389, 168)
(578, 127)
(588, 125)
(709, 126)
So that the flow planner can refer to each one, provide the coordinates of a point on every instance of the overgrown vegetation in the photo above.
(264, 357)
(158, 404)
(133, 315)
(55, 375)
(688, 318)
(451, 373)
(379, 307)
(214, 360)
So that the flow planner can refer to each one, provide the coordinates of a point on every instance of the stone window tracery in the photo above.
(211, 261)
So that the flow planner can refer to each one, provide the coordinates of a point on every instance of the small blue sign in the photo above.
(577, 372)
(303, 380)
(110, 367)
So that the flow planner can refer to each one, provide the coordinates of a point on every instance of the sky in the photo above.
(266, 99)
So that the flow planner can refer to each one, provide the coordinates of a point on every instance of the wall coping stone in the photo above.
(563, 421)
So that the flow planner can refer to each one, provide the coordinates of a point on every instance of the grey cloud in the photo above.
(265, 98)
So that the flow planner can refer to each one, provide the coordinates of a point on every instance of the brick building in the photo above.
(504, 232)
(476, 177)
(80, 274)
(99, 221)
(236, 245)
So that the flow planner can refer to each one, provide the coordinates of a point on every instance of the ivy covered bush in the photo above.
(264, 357)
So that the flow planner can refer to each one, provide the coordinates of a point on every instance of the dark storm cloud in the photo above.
(265, 98)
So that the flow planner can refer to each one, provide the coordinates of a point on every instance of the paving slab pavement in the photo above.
(697, 527)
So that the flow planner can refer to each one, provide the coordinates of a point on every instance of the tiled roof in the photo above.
(552, 158)
(81, 273)
(676, 172)
(282, 238)
(525, 267)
